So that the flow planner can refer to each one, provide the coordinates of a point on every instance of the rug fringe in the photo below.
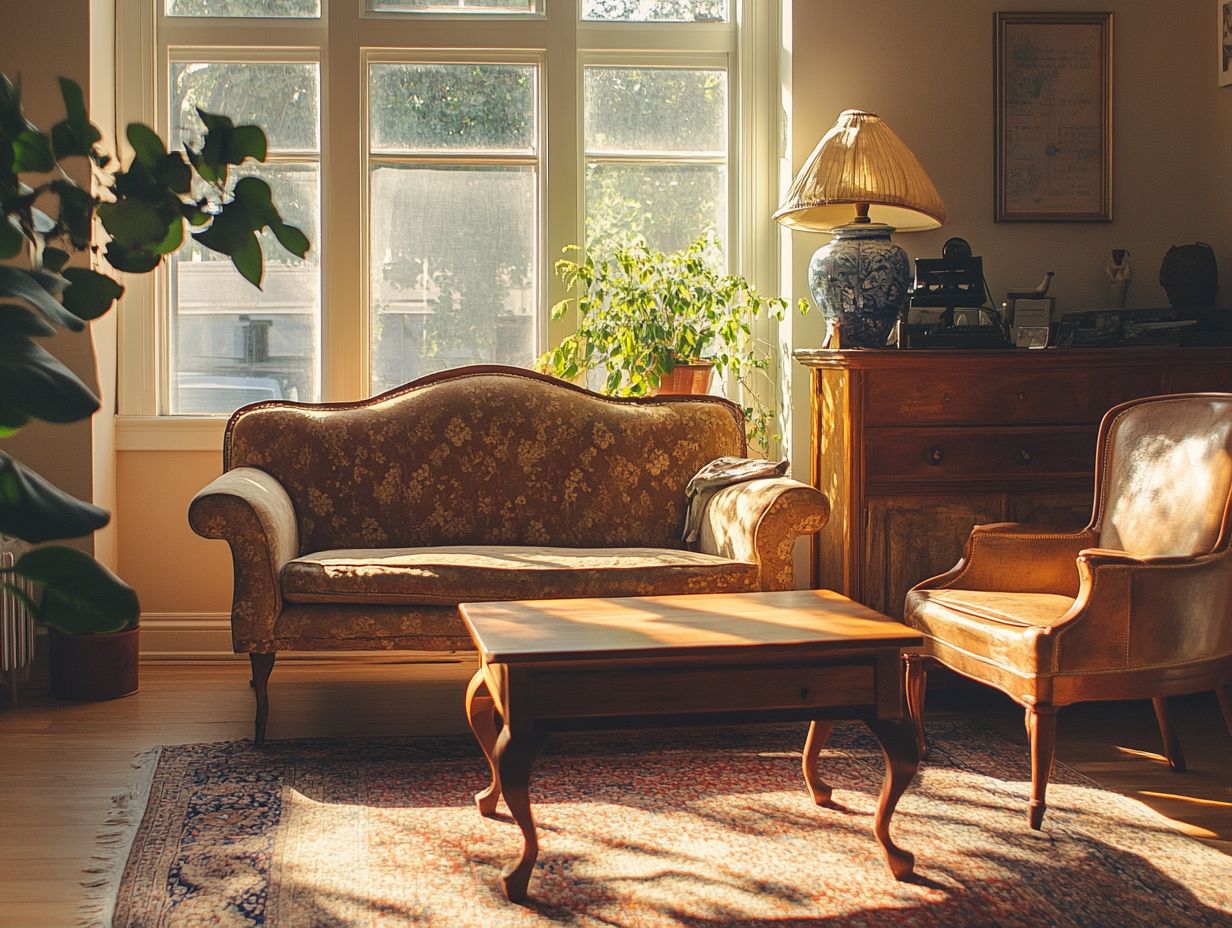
(114, 842)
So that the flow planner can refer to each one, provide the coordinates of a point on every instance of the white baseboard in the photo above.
(186, 636)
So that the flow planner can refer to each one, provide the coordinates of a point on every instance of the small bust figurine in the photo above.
(1119, 275)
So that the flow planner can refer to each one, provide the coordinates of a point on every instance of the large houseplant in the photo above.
(145, 210)
(642, 313)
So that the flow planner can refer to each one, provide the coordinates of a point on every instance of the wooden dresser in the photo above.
(913, 447)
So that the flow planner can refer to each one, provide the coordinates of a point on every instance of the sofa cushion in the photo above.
(475, 573)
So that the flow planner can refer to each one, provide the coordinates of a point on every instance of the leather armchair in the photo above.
(1137, 604)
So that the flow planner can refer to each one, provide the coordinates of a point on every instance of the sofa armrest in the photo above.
(759, 521)
(251, 511)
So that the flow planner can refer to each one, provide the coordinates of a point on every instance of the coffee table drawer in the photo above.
(569, 694)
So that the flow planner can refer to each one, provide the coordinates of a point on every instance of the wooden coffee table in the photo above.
(579, 664)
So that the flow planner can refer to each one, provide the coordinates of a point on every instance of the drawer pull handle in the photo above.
(1025, 456)
(934, 456)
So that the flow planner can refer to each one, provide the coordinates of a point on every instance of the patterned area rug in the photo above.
(698, 828)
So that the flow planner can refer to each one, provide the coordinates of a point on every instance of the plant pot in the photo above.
(686, 378)
(94, 667)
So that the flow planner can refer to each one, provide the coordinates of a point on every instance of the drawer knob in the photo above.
(1025, 456)
(934, 456)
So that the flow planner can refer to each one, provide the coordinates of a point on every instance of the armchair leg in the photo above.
(1172, 741)
(1042, 733)
(1225, 703)
(262, 666)
(916, 684)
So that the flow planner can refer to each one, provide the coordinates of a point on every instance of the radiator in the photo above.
(16, 628)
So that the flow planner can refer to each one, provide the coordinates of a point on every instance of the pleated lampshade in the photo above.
(860, 160)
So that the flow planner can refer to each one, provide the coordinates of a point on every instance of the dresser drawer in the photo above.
(952, 395)
(948, 453)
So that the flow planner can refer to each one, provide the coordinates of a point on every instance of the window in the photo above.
(439, 154)
(453, 175)
(228, 343)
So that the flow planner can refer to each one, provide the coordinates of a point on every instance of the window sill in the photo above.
(169, 433)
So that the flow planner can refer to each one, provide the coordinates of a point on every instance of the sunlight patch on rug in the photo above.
(696, 828)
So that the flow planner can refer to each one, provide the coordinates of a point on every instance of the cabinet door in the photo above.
(910, 539)
(1066, 511)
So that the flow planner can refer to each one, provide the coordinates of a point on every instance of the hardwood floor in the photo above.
(61, 762)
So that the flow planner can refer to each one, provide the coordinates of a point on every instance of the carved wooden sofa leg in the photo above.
(262, 666)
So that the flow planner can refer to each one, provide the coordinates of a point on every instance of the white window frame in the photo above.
(345, 39)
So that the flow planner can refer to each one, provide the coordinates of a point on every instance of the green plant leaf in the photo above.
(130, 260)
(229, 231)
(75, 135)
(12, 120)
(78, 593)
(147, 146)
(39, 385)
(16, 282)
(249, 261)
(76, 211)
(90, 294)
(17, 320)
(174, 239)
(12, 239)
(132, 222)
(32, 152)
(212, 160)
(257, 200)
(54, 259)
(246, 142)
(36, 511)
(173, 171)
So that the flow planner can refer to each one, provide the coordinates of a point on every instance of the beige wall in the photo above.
(40, 41)
(175, 571)
(926, 68)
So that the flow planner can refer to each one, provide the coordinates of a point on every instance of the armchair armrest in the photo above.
(1147, 612)
(759, 521)
(251, 511)
(1017, 557)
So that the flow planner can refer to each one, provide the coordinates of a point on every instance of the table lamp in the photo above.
(860, 184)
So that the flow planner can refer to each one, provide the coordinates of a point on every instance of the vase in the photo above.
(691, 378)
(861, 283)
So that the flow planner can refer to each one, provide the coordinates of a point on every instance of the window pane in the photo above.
(456, 6)
(232, 343)
(669, 204)
(453, 107)
(655, 109)
(660, 11)
(453, 269)
(278, 8)
(282, 99)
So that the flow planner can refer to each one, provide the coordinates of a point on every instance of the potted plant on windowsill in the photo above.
(46, 214)
(656, 322)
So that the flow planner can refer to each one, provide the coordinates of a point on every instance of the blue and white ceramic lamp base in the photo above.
(861, 282)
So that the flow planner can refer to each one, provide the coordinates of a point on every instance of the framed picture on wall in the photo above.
(1053, 116)
(1225, 42)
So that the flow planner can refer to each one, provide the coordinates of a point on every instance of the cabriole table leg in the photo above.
(481, 713)
(902, 758)
(515, 756)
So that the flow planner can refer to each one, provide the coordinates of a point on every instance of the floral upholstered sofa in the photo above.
(363, 525)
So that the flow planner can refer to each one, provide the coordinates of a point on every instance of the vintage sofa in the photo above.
(363, 525)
